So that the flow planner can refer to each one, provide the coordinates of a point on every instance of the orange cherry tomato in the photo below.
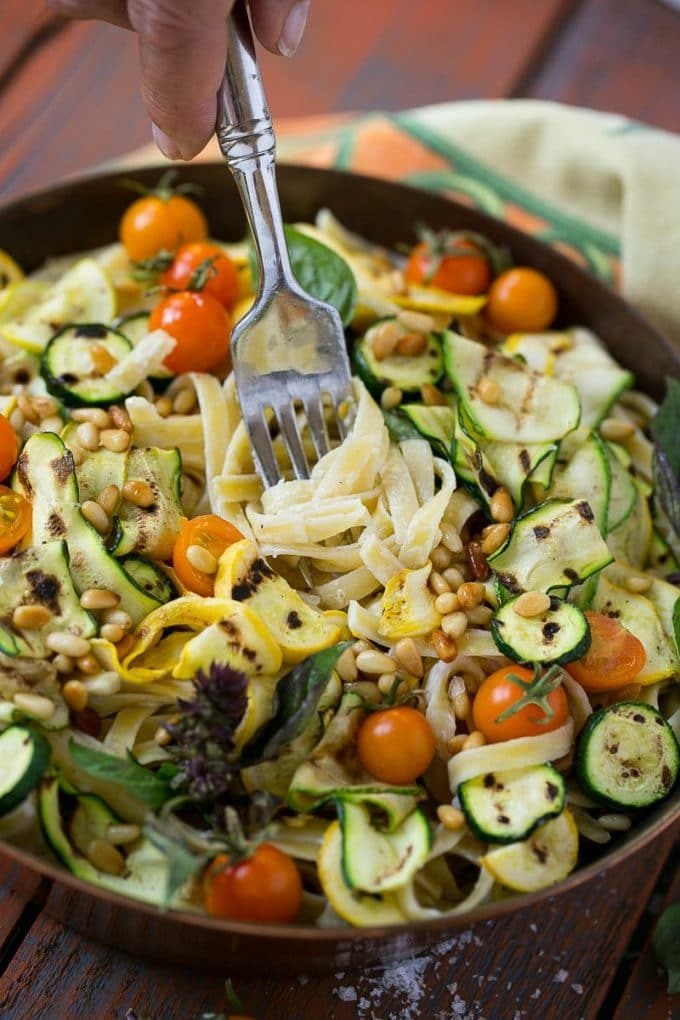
(521, 300)
(200, 325)
(263, 887)
(160, 222)
(9, 447)
(15, 518)
(211, 533)
(396, 745)
(498, 693)
(460, 274)
(614, 658)
(221, 275)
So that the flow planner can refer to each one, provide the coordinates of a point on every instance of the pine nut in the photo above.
(104, 684)
(432, 396)
(638, 585)
(16, 420)
(479, 616)
(390, 398)
(51, 424)
(87, 435)
(531, 603)
(138, 492)
(455, 744)
(119, 617)
(89, 665)
(450, 817)
(96, 415)
(162, 737)
(470, 594)
(99, 598)
(145, 390)
(104, 856)
(411, 345)
(64, 643)
(116, 440)
(454, 625)
(445, 647)
(119, 833)
(476, 739)
(453, 577)
(120, 419)
(108, 498)
(35, 705)
(25, 405)
(440, 557)
(502, 509)
(615, 822)
(477, 560)
(386, 683)
(418, 322)
(408, 656)
(450, 537)
(202, 559)
(361, 646)
(125, 646)
(494, 538)
(346, 667)
(461, 705)
(31, 617)
(63, 664)
(446, 603)
(164, 406)
(615, 429)
(383, 338)
(75, 694)
(77, 454)
(374, 662)
(45, 407)
(184, 402)
(488, 389)
(96, 515)
(438, 584)
(111, 632)
(102, 359)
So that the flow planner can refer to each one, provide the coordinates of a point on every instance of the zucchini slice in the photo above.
(547, 856)
(661, 560)
(586, 475)
(532, 408)
(436, 424)
(555, 545)
(559, 635)
(638, 614)
(406, 373)
(627, 756)
(365, 910)
(375, 861)
(504, 807)
(151, 530)
(24, 756)
(623, 491)
(98, 469)
(70, 371)
(150, 578)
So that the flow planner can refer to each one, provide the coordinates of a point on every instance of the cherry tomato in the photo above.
(396, 745)
(15, 518)
(211, 533)
(264, 887)
(521, 300)
(614, 658)
(460, 274)
(160, 222)
(498, 693)
(200, 325)
(221, 276)
(9, 447)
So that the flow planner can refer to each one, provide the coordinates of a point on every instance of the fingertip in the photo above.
(167, 145)
(293, 28)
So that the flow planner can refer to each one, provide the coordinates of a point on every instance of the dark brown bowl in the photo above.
(83, 214)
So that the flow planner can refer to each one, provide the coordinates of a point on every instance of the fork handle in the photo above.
(246, 138)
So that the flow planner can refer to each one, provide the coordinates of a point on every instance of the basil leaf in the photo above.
(298, 694)
(399, 427)
(667, 945)
(664, 429)
(139, 782)
(319, 271)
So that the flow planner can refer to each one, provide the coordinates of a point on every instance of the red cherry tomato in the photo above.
(499, 692)
(614, 658)
(459, 274)
(263, 887)
(221, 274)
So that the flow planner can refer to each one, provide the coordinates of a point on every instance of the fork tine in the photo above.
(290, 432)
(263, 451)
(317, 424)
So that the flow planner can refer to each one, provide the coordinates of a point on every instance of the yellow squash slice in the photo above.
(364, 910)
(546, 857)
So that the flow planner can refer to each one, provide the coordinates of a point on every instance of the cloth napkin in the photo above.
(602, 188)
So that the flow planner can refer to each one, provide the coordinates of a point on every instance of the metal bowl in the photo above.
(83, 214)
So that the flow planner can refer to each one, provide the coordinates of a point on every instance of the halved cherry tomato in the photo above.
(211, 533)
(15, 518)
(614, 658)
(396, 745)
(221, 274)
(498, 693)
(9, 447)
(521, 300)
(160, 222)
(200, 325)
(459, 274)
(263, 887)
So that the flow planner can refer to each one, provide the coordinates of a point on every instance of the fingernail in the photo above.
(293, 28)
(167, 146)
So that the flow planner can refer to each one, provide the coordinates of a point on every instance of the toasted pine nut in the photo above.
(108, 498)
(162, 737)
(446, 603)
(35, 705)
(119, 833)
(346, 667)
(63, 664)
(454, 625)
(53, 423)
(531, 603)
(103, 684)
(45, 407)
(164, 406)
(411, 345)
(75, 694)
(615, 822)
(450, 537)
(445, 647)
(638, 585)
(375, 662)
(116, 440)
(202, 559)
(408, 656)
(432, 396)
(437, 583)
(25, 405)
(475, 739)
(31, 617)
(64, 643)
(119, 617)
(185, 401)
(489, 390)
(450, 817)
(96, 515)
(616, 429)
(97, 415)
(470, 594)
(453, 577)
(440, 558)
(102, 359)
(104, 856)
(87, 435)
(455, 744)
(383, 338)
(494, 538)
(99, 598)
(120, 419)
(390, 398)
(89, 665)
(502, 509)
(138, 492)
(112, 632)
(419, 322)
(461, 705)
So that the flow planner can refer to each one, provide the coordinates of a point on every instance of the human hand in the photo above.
(182, 50)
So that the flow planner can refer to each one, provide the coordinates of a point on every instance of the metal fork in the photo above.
(289, 349)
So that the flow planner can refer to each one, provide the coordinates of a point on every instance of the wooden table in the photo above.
(68, 100)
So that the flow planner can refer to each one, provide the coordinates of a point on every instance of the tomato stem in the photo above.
(536, 692)
(165, 188)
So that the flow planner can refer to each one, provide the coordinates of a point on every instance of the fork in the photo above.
(289, 350)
